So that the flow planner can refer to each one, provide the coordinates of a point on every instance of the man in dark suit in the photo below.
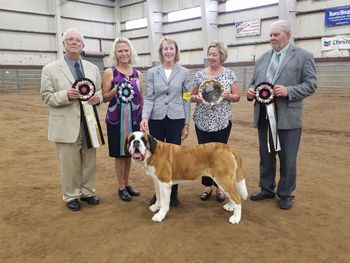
(293, 80)
(77, 161)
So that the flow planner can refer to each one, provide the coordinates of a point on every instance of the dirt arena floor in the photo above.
(35, 225)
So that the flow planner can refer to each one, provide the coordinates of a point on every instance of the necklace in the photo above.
(126, 71)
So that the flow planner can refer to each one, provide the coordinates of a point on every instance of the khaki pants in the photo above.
(78, 168)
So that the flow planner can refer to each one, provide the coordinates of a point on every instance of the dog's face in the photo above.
(140, 145)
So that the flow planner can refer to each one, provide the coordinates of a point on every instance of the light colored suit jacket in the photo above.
(64, 115)
(297, 72)
(164, 96)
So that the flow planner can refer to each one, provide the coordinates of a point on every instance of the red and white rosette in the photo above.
(91, 123)
(264, 95)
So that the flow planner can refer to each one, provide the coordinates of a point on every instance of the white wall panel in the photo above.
(92, 45)
(191, 58)
(141, 45)
(38, 6)
(188, 40)
(12, 40)
(107, 46)
(306, 30)
(89, 28)
(87, 11)
(132, 12)
(249, 14)
(135, 33)
(29, 22)
(175, 5)
(143, 61)
(313, 5)
(26, 58)
(186, 25)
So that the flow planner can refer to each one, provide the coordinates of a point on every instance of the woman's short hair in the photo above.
(222, 49)
(169, 41)
(113, 57)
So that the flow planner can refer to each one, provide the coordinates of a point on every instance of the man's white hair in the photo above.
(284, 24)
(70, 30)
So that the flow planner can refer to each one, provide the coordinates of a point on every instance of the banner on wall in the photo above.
(248, 28)
(337, 16)
(338, 42)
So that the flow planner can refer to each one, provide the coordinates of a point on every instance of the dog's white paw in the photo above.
(154, 208)
(158, 217)
(234, 219)
(229, 207)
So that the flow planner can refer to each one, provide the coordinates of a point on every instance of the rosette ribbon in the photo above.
(264, 95)
(89, 116)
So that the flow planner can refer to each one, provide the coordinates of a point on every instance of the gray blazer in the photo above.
(164, 96)
(298, 73)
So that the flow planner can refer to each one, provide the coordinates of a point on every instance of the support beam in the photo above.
(58, 23)
(209, 25)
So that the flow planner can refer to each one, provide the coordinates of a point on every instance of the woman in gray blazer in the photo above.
(166, 114)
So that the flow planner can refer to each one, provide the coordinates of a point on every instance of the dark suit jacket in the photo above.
(298, 73)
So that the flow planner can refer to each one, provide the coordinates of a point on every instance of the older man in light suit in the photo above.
(77, 162)
(294, 79)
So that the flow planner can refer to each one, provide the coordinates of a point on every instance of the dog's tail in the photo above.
(241, 188)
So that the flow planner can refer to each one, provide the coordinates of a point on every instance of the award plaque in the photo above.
(85, 87)
(125, 91)
(211, 91)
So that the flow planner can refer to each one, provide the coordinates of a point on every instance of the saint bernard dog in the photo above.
(170, 164)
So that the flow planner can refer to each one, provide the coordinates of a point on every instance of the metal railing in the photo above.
(333, 77)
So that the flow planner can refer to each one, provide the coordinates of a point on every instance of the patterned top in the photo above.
(115, 105)
(214, 118)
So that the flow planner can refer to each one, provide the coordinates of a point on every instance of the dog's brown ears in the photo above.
(127, 145)
(152, 142)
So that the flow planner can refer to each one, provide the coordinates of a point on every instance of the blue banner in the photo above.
(337, 16)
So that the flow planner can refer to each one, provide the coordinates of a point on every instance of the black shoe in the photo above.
(220, 197)
(91, 200)
(153, 200)
(73, 205)
(124, 195)
(205, 195)
(286, 203)
(131, 191)
(259, 196)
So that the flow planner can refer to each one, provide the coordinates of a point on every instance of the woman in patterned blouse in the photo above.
(213, 122)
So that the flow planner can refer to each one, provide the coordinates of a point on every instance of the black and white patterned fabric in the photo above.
(214, 118)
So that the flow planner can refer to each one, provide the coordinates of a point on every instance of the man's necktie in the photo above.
(78, 71)
(271, 71)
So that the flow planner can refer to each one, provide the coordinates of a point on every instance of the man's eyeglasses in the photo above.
(71, 40)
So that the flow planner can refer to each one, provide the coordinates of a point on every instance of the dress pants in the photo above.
(78, 168)
(170, 131)
(289, 141)
(218, 136)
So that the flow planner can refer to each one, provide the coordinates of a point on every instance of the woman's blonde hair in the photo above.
(113, 57)
(169, 41)
(222, 49)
